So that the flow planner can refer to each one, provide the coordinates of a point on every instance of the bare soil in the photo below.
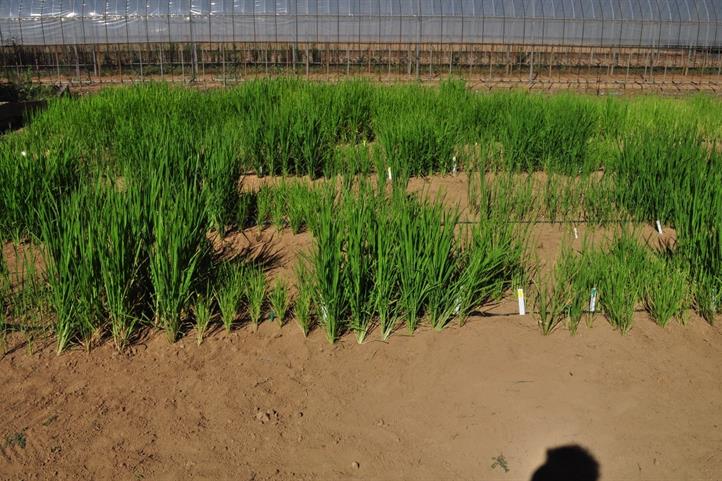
(432, 406)
(582, 82)
(268, 404)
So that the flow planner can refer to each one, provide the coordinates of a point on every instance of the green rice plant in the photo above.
(442, 271)
(298, 198)
(385, 252)
(229, 295)
(620, 293)
(122, 256)
(34, 174)
(621, 281)
(72, 265)
(666, 292)
(416, 142)
(551, 301)
(490, 259)
(552, 195)
(304, 298)
(352, 108)
(575, 310)
(707, 291)
(246, 210)
(381, 168)
(221, 172)
(278, 298)
(599, 200)
(356, 214)
(418, 225)
(264, 205)
(255, 294)
(178, 252)
(279, 205)
(355, 159)
(289, 128)
(585, 272)
(203, 314)
(328, 267)
(536, 131)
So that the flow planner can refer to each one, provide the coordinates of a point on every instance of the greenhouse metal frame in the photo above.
(92, 40)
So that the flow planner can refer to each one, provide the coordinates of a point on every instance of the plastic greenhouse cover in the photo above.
(648, 23)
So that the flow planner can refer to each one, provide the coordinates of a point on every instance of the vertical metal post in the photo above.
(418, 35)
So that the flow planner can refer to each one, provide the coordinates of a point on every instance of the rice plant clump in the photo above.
(203, 313)
(304, 298)
(666, 292)
(255, 282)
(278, 299)
(229, 295)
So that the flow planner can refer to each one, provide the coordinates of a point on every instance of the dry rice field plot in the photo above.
(292, 280)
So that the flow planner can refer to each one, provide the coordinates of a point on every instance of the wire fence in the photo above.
(96, 40)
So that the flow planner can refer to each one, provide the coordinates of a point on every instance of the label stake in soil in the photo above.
(520, 298)
(389, 173)
(593, 300)
(659, 227)
(576, 233)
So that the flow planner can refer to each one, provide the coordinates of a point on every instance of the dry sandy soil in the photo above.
(268, 404)
(433, 406)
(618, 84)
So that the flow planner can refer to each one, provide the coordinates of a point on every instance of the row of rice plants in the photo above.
(522, 197)
(415, 265)
(294, 127)
(667, 172)
(616, 281)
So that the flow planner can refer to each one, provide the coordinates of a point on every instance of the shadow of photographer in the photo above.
(568, 463)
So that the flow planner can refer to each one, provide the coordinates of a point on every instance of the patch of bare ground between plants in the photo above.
(433, 406)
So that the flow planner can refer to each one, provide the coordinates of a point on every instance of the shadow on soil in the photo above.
(568, 463)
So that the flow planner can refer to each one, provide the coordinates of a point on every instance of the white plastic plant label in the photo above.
(593, 300)
(388, 171)
(324, 313)
(576, 233)
(522, 304)
(659, 227)
(454, 167)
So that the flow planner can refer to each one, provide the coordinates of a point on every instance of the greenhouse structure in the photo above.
(94, 39)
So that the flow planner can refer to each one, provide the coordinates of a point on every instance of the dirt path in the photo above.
(435, 406)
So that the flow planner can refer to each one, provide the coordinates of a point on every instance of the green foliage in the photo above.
(255, 281)
(304, 298)
(666, 292)
(229, 294)
(203, 313)
(278, 298)
(122, 214)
